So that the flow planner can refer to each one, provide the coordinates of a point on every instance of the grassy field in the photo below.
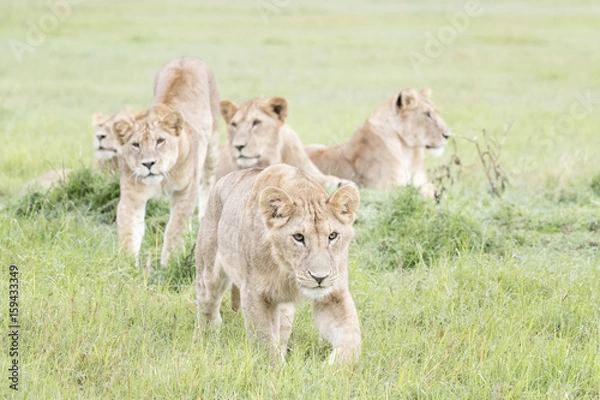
(473, 297)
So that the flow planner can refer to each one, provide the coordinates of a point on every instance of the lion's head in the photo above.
(417, 121)
(150, 143)
(253, 129)
(106, 144)
(310, 232)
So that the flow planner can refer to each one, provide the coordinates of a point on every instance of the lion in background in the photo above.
(388, 150)
(107, 147)
(280, 237)
(170, 149)
(258, 137)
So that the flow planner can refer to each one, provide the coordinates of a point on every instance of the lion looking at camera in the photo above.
(280, 237)
(170, 149)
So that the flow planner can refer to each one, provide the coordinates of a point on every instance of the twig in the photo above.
(490, 157)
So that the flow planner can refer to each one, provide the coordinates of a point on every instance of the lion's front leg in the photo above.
(336, 318)
(429, 191)
(130, 222)
(420, 181)
(262, 321)
(183, 204)
(286, 320)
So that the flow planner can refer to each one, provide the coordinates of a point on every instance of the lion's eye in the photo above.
(333, 236)
(135, 145)
(255, 122)
(428, 114)
(234, 124)
(160, 141)
(298, 237)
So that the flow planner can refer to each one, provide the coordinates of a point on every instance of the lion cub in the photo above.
(388, 150)
(280, 237)
(170, 149)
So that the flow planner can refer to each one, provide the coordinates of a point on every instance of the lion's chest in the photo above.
(400, 166)
(260, 273)
(280, 289)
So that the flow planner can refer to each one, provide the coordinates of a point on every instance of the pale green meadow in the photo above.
(470, 297)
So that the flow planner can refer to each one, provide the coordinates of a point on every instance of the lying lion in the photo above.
(170, 149)
(389, 148)
(47, 180)
(280, 237)
(106, 148)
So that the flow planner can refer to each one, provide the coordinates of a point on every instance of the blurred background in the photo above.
(536, 64)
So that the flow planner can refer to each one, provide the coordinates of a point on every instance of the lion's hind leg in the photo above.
(211, 285)
(211, 279)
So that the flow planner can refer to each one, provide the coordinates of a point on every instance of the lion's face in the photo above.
(418, 121)
(150, 145)
(106, 144)
(310, 234)
(253, 130)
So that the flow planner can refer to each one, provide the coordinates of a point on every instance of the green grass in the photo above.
(407, 231)
(468, 298)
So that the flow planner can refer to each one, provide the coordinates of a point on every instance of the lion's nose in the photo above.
(446, 135)
(319, 278)
(148, 164)
(239, 146)
(100, 136)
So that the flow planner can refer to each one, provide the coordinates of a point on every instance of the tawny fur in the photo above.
(280, 237)
(258, 137)
(107, 147)
(388, 150)
(171, 149)
(48, 180)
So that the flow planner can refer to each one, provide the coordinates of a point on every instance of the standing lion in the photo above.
(280, 237)
(171, 149)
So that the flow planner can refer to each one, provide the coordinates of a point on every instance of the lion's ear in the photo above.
(344, 203)
(172, 123)
(122, 130)
(228, 109)
(426, 92)
(407, 98)
(276, 206)
(97, 118)
(277, 106)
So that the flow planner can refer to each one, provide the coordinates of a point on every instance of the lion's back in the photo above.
(188, 85)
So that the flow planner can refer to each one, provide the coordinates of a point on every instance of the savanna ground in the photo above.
(471, 297)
